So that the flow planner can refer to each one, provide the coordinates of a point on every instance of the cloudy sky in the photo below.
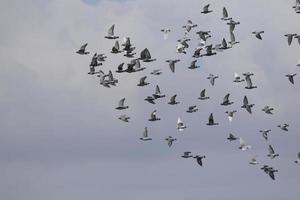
(60, 137)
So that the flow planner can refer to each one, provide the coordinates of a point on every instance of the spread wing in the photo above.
(225, 13)
(211, 119)
(226, 98)
(145, 133)
(205, 8)
(271, 150)
(142, 80)
(202, 93)
(111, 30)
(153, 114)
(82, 48)
(157, 90)
(173, 98)
(121, 102)
(245, 101)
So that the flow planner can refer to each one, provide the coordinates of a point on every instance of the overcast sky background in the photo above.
(60, 136)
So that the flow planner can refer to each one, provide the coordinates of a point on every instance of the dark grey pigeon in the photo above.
(150, 99)
(82, 50)
(146, 56)
(120, 68)
(206, 10)
(212, 79)
(270, 171)
(170, 140)
(199, 159)
(284, 127)
(153, 116)
(249, 81)
(110, 33)
(226, 101)
(116, 48)
(202, 95)
(225, 15)
(193, 65)
(187, 154)
(157, 93)
(211, 121)
(290, 37)
(291, 77)
(142, 81)
(192, 109)
(265, 133)
(124, 118)
(258, 34)
(173, 100)
(268, 110)
(172, 64)
(246, 105)
(121, 105)
(231, 137)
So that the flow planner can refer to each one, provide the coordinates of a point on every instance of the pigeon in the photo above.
(157, 93)
(172, 64)
(193, 65)
(120, 68)
(243, 146)
(166, 32)
(211, 120)
(206, 10)
(268, 110)
(291, 77)
(124, 118)
(253, 161)
(116, 48)
(209, 51)
(188, 27)
(270, 171)
(212, 79)
(146, 56)
(150, 99)
(265, 133)
(237, 78)
(258, 34)
(246, 105)
(173, 100)
(142, 81)
(199, 159)
(284, 127)
(272, 153)
(82, 51)
(226, 101)
(290, 37)
(298, 159)
(249, 81)
(153, 116)
(156, 72)
(145, 135)
(170, 140)
(202, 95)
(192, 109)
(231, 137)
(110, 33)
(180, 125)
(121, 105)
(230, 115)
(225, 15)
(187, 154)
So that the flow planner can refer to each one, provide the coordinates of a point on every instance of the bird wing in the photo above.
(82, 48)
(157, 90)
(298, 155)
(111, 30)
(226, 98)
(142, 80)
(211, 119)
(236, 75)
(242, 142)
(271, 150)
(225, 13)
(224, 43)
(117, 46)
(205, 8)
(121, 102)
(145, 133)
(193, 64)
(245, 101)
(172, 66)
(232, 36)
(202, 93)
(199, 161)
(173, 98)
(248, 81)
(153, 114)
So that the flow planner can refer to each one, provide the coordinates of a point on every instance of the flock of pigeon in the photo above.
(203, 49)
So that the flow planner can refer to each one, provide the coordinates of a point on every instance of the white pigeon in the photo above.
(243, 145)
(180, 125)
